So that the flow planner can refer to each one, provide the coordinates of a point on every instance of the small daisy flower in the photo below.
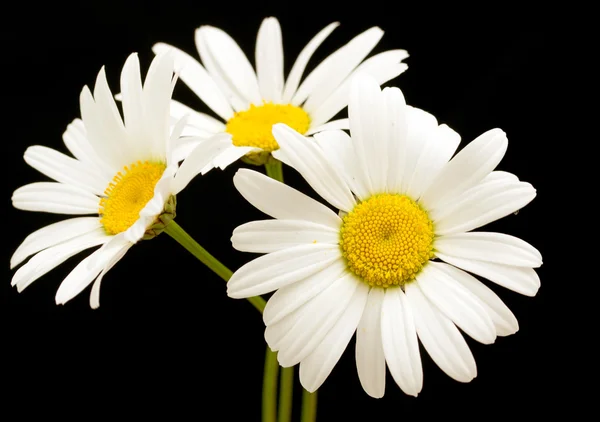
(393, 265)
(123, 174)
(249, 102)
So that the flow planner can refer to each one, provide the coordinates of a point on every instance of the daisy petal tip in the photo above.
(233, 293)
(131, 60)
(509, 331)
(376, 31)
(413, 393)
(378, 394)
(531, 292)
(158, 48)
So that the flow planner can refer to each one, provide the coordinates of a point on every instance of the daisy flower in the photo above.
(393, 265)
(249, 102)
(123, 176)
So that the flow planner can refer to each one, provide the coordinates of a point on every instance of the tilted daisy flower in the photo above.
(123, 174)
(249, 102)
(392, 266)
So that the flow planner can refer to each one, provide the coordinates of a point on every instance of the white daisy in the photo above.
(249, 102)
(123, 173)
(376, 267)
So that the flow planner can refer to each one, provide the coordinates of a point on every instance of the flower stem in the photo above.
(176, 232)
(269, 392)
(309, 406)
(286, 390)
(274, 169)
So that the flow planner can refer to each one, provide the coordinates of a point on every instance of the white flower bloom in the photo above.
(123, 173)
(376, 267)
(249, 102)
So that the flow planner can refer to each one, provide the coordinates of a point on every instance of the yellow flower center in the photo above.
(387, 239)
(127, 194)
(252, 127)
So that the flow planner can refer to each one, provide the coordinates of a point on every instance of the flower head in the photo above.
(250, 101)
(124, 173)
(393, 265)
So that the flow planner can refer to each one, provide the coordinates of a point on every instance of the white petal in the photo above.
(281, 201)
(132, 100)
(195, 118)
(337, 147)
(363, 112)
(193, 74)
(498, 248)
(481, 205)
(156, 96)
(272, 235)
(397, 130)
(107, 148)
(420, 127)
(333, 125)
(231, 154)
(441, 145)
(269, 60)
(278, 269)
(53, 235)
(457, 303)
(236, 100)
(468, 167)
(291, 84)
(382, 67)
(55, 198)
(289, 298)
(76, 141)
(65, 169)
(202, 155)
(400, 344)
(370, 360)
(183, 147)
(221, 55)
(95, 293)
(519, 279)
(175, 139)
(84, 274)
(317, 366)
(504, 320)
(50, 258)
(441, 338)
(328, 75)
(501, 175)
(108, 117)
(306, 157)
(305, 328)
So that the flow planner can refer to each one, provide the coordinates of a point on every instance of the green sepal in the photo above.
(162, 220)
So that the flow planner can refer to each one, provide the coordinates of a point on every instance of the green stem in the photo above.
(176, 232)
(309, 406)
(274, 169)
(286, 390)
(269, 392)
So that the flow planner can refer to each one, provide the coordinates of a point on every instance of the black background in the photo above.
(166, 339)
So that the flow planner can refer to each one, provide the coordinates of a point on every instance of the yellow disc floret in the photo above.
(253, 127)
(127, 194)
(387, 239)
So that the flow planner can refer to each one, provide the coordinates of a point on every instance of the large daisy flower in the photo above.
(393, 265)
(249, 102)
(123, 174)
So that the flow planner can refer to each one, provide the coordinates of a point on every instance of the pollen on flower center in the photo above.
(387, 239)
(127, 194)
(252, 127)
